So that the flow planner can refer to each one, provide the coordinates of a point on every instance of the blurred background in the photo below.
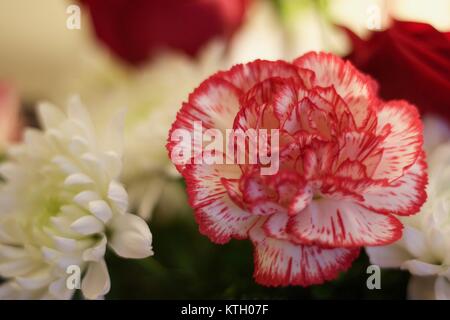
(148, 56)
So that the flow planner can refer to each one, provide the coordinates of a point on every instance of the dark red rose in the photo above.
(133, 30)
(410, 61)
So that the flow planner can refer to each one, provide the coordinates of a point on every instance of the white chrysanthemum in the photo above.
(61, 205)
(424, 249)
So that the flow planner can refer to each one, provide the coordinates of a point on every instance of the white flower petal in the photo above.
(87, 225)
(11, 252)
(16, 268)
(59, 290)
(93, 163)
(96, 281)
(415, 242)
(113, 163)
(101, 210)
(62, 224)
(420, 268)
(65, 175)
(35, 280)
(64, 261)
(442, 288)
(117, 193)
(49, 115)
(78, 145)
(50, 255)
(391, 256)
(76, 110)
(97, 252)
(65, 244)
(78, 179)
(72, 211)
(114, 136)
(65, 164)
(439, 244)
(85, 197)
(131, 237)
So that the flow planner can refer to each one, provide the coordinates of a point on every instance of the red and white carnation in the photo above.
(349, 163)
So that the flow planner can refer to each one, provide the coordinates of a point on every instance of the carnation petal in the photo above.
(331, 70)
(341, 223)
(218, 216)
(403, 143)
(214, 105)
(406, 194)
(275, 226)
(245, 76)
(281, 262)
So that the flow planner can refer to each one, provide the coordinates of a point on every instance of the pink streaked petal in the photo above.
(301, 200)
(265, 208)
(352, 170)
(361, 147)
(213, 105)
(311, 114)
(214, 102)
(310, 163)
(286, 98)
(253, 189)
(403, 144)
(354, 113)
(255, 115)
(330, 70)
(264, 92)
(403, 196)
(282, 263)
(318, 158)
(245, 76)
(329, 96)
(234, 192)
(275, 226)
(217, 214)
(341, 223)
(308, 77)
